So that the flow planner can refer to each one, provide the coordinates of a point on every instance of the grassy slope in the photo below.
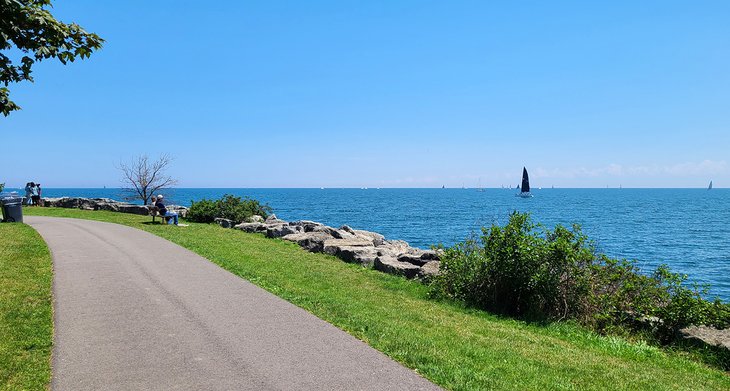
(26, 324)
(455, 347)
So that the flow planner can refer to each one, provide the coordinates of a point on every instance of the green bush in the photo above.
(203, 211)
(228, 207)
(530, 273)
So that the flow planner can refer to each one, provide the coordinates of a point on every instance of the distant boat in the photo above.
(709, 187)
(443, 186)
(479, 186)
(525, 186)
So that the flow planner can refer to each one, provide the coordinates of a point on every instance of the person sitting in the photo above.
(169, 216)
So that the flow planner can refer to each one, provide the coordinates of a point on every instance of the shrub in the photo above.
(228, 207)
(203, 211)
(521, 271)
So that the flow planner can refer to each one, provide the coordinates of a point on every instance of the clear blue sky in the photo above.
(384, 94)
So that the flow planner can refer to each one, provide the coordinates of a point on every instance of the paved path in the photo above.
(134, 311)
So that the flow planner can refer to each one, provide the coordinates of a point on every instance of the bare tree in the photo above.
(142, 178)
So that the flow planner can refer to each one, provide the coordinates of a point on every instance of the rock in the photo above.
(418, 257)
(308, 226)
(412, 259)
(393, 248)
(337, 234)
(279, 230)
(225, 223)
(707, 335)
(255, 219)
(333, 244)
(272, 219)
(135, 209)
(391, 265)
(340, 234)
(429, 270)
(345, 232)
(375, 237)
(347, 229)
(356, 254)
(352, 250)
(251, 227)
(99, 204)
(310, 241)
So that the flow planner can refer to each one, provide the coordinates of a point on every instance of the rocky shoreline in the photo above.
(369, 249)
(105, 204)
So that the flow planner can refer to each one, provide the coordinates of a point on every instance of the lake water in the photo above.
(688, 229)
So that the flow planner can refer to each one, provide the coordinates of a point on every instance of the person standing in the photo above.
(39, 200)
(28, 195)
(34, 193)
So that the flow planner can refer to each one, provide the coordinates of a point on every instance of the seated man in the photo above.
(163, 211)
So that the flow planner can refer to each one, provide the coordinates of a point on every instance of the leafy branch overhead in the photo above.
(31, 29)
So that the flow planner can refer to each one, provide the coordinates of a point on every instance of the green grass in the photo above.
(455, 347)
(26, 322)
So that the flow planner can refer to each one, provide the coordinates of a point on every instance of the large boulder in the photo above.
(255, 219)
(225, 223)
(393, 248)
(134, 209)
(251, 227)
(326, 229)
(346, 228)
(279, 230)
(310, 241)
(331, 245)
(106, 204)
(418, 257)
(374, 237)
(346, 232)
(391, 265)
(355, 254)
(429, 270)
(707, 336)
(308, 226)
(272, 219)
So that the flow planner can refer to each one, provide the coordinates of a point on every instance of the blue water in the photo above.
(688, 229)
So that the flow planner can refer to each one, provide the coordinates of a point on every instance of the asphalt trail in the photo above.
(133, 311)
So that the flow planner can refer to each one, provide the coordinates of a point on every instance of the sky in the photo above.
(383, 94)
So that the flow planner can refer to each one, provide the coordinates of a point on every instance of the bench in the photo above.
(155, 212)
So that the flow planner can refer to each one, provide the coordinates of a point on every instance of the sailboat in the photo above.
(525, 186)
(479, 186)
(709, 187)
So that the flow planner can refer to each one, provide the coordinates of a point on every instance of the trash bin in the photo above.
(12, 206)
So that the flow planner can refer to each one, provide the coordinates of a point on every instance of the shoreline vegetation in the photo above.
(452, 344)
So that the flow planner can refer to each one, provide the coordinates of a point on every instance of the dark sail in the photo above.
(525, 181)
